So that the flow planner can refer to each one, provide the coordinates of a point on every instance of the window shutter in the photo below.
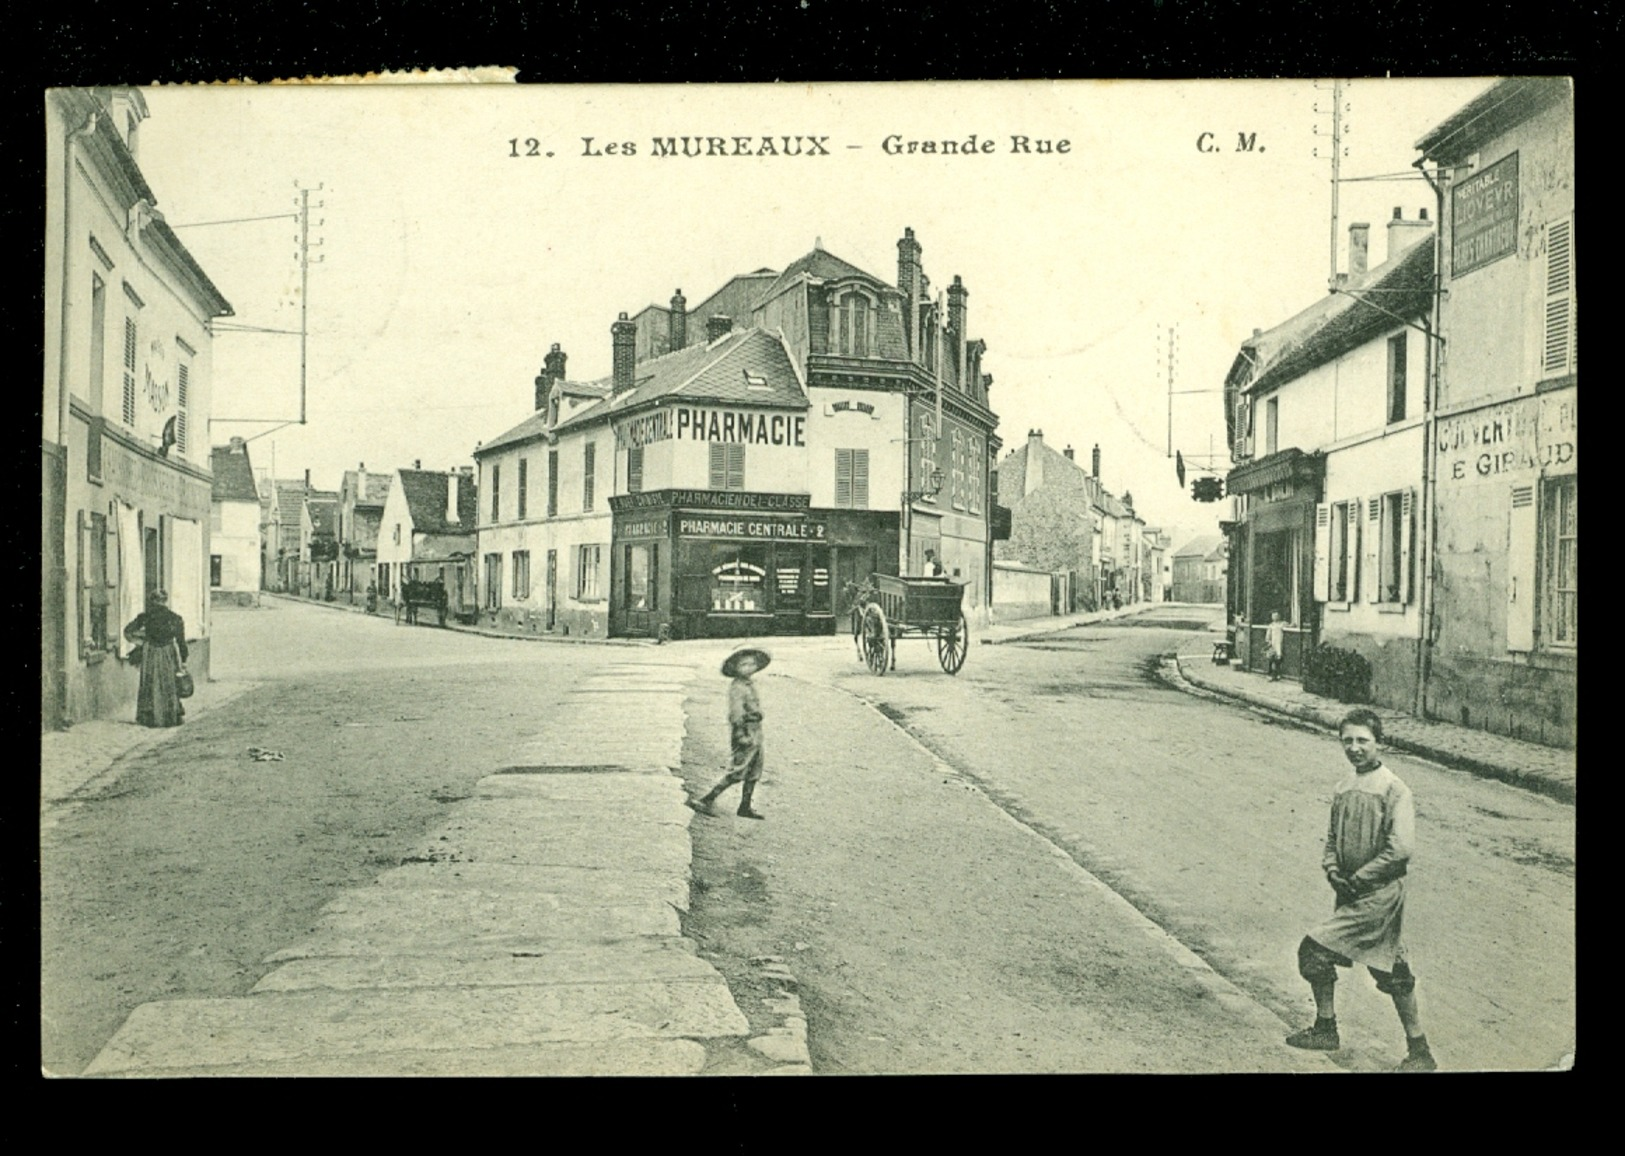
(1557, 345)
(860, 478)
(1323, 523)
(601, 567)
(736, 467)
(843, 477)
(84, 583)
(1521, 569)
(182, 402)
(1351, 547)
(129, 372)
(1373, 544)
(1407, 561)
(719, 467)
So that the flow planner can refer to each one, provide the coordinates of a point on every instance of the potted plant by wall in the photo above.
(1340, 673)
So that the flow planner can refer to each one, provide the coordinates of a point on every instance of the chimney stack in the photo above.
(624, 343)
(679, 321)
(452, 477)
(307, 479)
(1403, 232)
(1033, 477)
(1069, 453)
(238, 443)
(956, 324)
(716, 326)
(417, 465)
(1094, 461)
(1359, 249)
(552, 372)
(908, 283)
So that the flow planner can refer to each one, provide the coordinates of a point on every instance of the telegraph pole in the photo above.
(1338, 131)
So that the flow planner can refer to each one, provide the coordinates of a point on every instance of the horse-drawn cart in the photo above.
(889, 608)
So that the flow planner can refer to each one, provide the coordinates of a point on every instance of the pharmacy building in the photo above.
(747, 464)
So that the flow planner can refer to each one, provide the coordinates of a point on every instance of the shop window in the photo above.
(634, 470)
(1560, 587)
(589, 465)
(739, 578)
(852, 477)
(552, 483)
(1396, 378)
(521, 575)
(589, 564)
(642, 568)
(727, 467)
(493, 581)
(524, 472)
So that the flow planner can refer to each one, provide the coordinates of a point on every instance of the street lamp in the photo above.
(936, 486)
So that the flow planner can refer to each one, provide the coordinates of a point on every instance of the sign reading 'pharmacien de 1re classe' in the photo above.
(713, 425)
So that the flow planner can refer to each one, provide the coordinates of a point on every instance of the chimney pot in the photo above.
(417, 465)
(1069, 453)
(678, 332)
(716, 326)
(1359, 249)
(1094, 461)
(307, 479)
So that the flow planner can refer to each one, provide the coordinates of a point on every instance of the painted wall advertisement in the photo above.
(1540, 433)
(1484, 222)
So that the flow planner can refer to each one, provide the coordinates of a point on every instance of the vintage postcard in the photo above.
(859, 579)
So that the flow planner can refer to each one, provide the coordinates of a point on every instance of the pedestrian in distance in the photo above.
(1275, 645)
(933, 566)
(1367, 853)
(745, 730)
(161, 639)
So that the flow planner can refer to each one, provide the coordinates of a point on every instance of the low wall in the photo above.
(1020, 593)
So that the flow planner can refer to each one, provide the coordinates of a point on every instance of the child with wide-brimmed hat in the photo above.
(745, 728)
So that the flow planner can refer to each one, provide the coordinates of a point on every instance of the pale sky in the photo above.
(450, 266)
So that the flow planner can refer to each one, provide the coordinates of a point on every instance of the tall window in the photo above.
(856, 325)
(129, 372)
(1392, 516)
(1560, 595)
(641, 571)
(727, 467)
(496, 492)
(1337, 553)
(183, 394)
(589, 471)
(1396, 378)
(521, 575)
(216, 568)
(1272, 426)
(524, 471)
(852, 477)
(93, 589)
(552, 483)
(589, 560)
(98, 341)
(634, 470)
(493, 580)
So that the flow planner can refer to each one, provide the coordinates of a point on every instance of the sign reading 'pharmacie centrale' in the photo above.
(713, 425)
(1484, 222)
(719, 527)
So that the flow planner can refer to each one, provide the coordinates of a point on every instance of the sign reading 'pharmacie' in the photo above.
(713, 425)
(751, 501)
(744, 528)
(1484, 225)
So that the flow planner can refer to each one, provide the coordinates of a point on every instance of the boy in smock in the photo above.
(745, 730)
(1367, 853)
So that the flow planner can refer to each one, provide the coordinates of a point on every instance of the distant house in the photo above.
(428, 533)
(234, 527)
(1199, 571)
(319, 546)
(361, 510)
(1052, 502)
(284, 538)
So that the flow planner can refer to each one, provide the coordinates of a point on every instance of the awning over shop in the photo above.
(1278, 468)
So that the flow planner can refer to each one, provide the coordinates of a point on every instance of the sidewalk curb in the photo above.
(1534, 782)
(1082, 620)
(470, 630)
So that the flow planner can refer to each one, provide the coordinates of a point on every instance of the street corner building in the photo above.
(427, 535)
(126, 485)
(748, 463)
(1406, 448)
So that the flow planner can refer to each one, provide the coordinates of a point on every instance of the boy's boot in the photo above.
(702, 805)
(1418, 1056)
(744, 802)
(1321, 1037)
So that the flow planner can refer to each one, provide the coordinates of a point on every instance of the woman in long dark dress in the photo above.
(162, 637)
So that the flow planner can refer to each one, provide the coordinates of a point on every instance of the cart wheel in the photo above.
(952, 645)
(876, 640)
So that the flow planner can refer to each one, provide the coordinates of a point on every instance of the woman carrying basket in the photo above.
(161, 635)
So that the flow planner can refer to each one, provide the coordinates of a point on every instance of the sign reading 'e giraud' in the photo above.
(1484, 222)
(713, 425)
(1539, 433)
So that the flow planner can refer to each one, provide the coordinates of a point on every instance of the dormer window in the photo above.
(852, 323)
